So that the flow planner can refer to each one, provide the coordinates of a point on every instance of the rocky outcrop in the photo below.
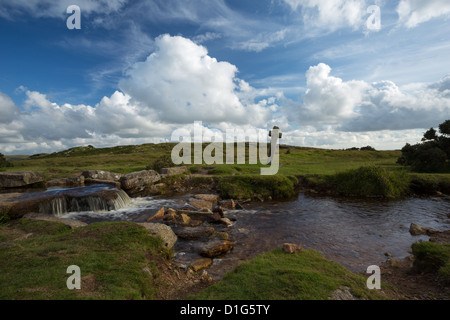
(201, 263)
(216, 248)
(228, 204)
(45, 217)
(291, 248)
(201, 216)
(101, 175)
(136, 182)
(158, 215)
(173, 171)
(213, 198)
(58, 202)
(93, 182)
(163, 231)
(191, 233)
(343, 293)
(200, 204)
(66, 182)
(20, 179)
(417, 230)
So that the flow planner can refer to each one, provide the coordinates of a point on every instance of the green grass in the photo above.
(110, 255)
(277, 275)
(433, 258)
(125, 159)
(254, 186)
(330, 167)
(371, 181)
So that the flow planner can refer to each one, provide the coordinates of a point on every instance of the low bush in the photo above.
(253, 186)
(433, 257)
(371, 181)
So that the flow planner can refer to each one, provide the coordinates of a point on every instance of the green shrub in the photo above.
(4, 163)
(194, 169)
(253, 186)
(221, 170)
(4, 217)
(430, 256)
(164, 161)
(371, 181)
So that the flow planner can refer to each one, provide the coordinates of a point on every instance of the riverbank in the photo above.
(122, 261)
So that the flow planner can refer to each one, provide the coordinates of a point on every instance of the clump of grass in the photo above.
(4, 215)
(222, 170)
(164, 161)
(279, 276)
(252, 186)
(111, 257)
(194, 169)
(433, 257)
(371, 181)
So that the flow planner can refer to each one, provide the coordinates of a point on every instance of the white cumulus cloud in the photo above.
(358, 106)
(413, 12)
(331, 15)
(183, 84)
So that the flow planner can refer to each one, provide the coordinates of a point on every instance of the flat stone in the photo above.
(15, 179)
(201, 204)
(91, 182)
(417, 230)
(343, 293)
(228, 204)
(198, 215)
(173, 171)
(216, 248)
(194, 233)
(66, 182)
(291, 248)
(226, 222)
(201, 264)
(213, 198)
(139, 180)
(220, 235)
(183, 219)
(163, 231)
(101, 175)
(46, 217)
(157, 216)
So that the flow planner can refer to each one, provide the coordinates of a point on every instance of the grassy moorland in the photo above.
(124, 159)
(276, 275)
(337, 171)
(34, 255)
(112, 257)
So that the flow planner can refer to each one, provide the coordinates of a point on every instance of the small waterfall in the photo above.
(99, 201)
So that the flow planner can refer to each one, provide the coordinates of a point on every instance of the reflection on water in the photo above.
(356, 233)
(353, 232)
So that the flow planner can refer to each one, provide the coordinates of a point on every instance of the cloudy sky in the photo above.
(324, 71)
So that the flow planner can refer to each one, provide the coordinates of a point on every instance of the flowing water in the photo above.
(356, 233)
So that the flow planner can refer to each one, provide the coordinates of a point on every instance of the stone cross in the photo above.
(275, 134)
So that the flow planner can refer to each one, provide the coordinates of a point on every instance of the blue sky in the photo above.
(138, 70)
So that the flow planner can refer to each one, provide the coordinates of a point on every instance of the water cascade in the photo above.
(95, 198)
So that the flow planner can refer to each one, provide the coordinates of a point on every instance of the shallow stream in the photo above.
(356, 233)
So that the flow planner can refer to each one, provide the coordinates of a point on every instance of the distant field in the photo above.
(125, 159)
